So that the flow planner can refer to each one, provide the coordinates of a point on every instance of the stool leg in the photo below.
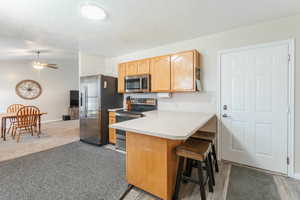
(189, 167)
(201, 181)
(215, 157)
(211, 169)
(178, 178)
(208, 170)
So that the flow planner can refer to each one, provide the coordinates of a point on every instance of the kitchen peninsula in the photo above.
(151, 162)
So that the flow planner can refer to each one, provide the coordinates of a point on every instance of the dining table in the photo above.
(5, 116)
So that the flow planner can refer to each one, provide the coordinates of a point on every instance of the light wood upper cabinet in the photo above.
(143, 66)
(132, 68)
(183, 69)
(121, 77)
(160, 70)
(170, 73)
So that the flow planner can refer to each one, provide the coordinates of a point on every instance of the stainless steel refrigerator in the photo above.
(98, 93)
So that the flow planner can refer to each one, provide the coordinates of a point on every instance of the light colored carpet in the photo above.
(54, 134)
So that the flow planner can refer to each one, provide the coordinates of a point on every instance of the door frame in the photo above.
(291, 96)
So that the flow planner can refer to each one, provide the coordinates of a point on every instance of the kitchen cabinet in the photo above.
(112, 131)
(160, 70)
(143, 66)
(153, 159)
(121, 77)
(132, 68)
(138, 67)
(183, 71)
(169, 73)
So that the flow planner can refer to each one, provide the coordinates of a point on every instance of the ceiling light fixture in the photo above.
(38, 65)
(92, 11)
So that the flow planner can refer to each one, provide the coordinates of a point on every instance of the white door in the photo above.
(254, 106)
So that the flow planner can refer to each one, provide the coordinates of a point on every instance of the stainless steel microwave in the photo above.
(138, 83)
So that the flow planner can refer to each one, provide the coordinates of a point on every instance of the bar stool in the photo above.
(210, 137)
(198, 151)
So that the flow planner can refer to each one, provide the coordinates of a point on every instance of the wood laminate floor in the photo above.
(287, 188)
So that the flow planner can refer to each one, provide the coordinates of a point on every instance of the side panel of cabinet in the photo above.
(121, 77)
(183, 72)
(160, 70)
(132, 68)
(112, 131)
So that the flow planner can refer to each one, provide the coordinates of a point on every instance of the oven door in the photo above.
(139, 83)
(120, 134)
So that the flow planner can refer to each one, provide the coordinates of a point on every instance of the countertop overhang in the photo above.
(166, 124)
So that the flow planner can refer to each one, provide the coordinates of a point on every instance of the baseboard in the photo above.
(52, 120)
(297, 176)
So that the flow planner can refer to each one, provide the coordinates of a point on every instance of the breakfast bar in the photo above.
(151, 162)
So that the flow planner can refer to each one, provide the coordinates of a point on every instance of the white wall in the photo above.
(56, 85)
(91, 64)
(208, 46)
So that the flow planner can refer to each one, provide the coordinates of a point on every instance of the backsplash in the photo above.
(183, 102)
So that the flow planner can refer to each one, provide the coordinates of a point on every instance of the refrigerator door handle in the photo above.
(86, 102)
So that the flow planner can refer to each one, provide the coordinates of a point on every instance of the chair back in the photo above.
(27, 116)
(13, 109)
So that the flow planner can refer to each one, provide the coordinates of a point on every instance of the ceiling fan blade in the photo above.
(51, 66)
(45, 64)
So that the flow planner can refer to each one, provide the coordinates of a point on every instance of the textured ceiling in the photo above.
(56, 26)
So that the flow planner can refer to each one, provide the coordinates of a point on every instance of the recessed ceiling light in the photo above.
(92, 11)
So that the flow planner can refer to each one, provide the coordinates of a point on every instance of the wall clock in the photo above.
(28, 89)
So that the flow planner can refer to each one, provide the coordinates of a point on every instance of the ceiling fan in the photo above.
(37, 64)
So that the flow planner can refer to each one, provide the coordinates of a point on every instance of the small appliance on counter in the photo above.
(138, 106)
(98, 93)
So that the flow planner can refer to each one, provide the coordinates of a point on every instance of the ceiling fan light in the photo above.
(93, 12)
(38, 66)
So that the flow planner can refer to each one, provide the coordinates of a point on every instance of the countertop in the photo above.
(166, 124)
(114, 109)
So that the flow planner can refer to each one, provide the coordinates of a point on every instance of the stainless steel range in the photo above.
(138, 106)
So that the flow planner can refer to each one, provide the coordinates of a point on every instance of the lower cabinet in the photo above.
(112, 131)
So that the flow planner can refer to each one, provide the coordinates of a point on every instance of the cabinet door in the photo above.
(121, 77)
(160, 70)
(132, 68)
(183, 72)
(144, 66)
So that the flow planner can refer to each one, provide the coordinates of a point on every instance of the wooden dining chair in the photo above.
(27, 118)
(13, 109)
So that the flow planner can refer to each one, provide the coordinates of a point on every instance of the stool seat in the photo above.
(209, 136)
(194, 149)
